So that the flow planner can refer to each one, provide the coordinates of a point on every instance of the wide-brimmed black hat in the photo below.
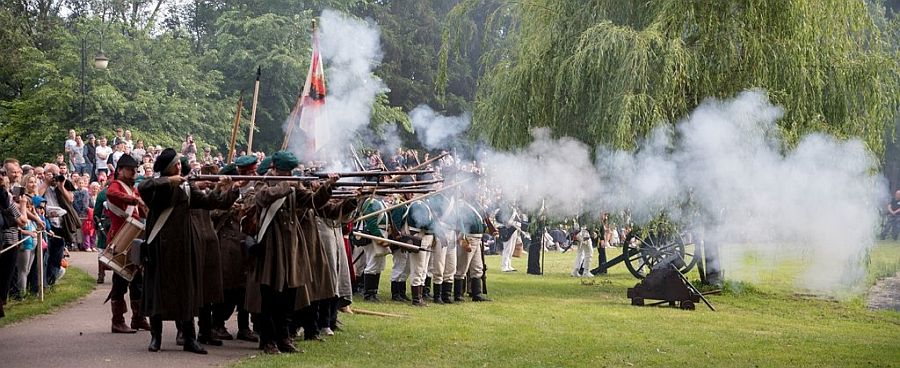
(166, 158)
(126, 161)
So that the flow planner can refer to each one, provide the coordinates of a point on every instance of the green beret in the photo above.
(284, 160)
(185, 166)
(229, 169)
(245, 161)
(264, 166)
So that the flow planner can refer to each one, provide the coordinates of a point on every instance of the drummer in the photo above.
(124, 201)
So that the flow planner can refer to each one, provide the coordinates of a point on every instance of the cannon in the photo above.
(642, 251)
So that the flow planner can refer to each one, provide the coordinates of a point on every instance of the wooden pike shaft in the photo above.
(253, 111)
(374, 313)
(234, 127)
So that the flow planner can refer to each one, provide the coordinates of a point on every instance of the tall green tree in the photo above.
(607, 72)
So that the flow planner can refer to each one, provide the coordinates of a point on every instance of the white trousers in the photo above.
(470, 262)
(506, 257)
(400, 270)
(418, 262)
(443, 261)
(583, 254)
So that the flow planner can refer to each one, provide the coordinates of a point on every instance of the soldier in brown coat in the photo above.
(280, 264)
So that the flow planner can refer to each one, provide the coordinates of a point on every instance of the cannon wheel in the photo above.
(641, 254)
(691, 252)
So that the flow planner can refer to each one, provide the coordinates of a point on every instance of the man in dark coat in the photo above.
(280, 270)
(172, 288)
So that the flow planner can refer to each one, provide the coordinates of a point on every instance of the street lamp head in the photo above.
(101, 61)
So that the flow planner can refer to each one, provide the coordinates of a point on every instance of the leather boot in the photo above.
(475, 290)
(101, 272)
(138, 320)
(401, 291)
(190, 338)
(155, 333)
(119, 308)
(371, 282)
(458, 286)
(437, 294)
(395, 294)
(417, 299)
(426, 288)
(447, 293)
(286, 345)
(247, 335)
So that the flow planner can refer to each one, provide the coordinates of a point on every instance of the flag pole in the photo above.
(295, 115)
(253, 111)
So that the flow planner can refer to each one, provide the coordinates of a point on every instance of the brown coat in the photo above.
(172, 287)
(283, 263)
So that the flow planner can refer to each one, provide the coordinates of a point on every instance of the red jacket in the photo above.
(118, 196)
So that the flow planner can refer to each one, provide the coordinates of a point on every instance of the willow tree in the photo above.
(607, 72)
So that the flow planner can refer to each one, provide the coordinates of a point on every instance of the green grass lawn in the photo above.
(558, 321)
(74, 285)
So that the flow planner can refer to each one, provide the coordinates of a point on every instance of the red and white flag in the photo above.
(313, 97)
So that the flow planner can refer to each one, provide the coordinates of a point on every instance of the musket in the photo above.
(250, 178)
(253, 110)
(386, 184)
(356, 174)
(406, 246)
(234, 127)
(383, 210)
(340, 193)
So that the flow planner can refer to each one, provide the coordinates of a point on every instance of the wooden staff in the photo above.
(383, 210)
(234, 127)
(253, 110)
(403, 245)
(374, 313)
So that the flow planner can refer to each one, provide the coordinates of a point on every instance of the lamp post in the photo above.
(100, 63)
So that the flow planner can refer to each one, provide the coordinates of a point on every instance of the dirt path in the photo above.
(78, 336)
(885, 294)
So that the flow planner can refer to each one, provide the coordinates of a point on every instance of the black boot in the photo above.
(190, 338)
(417, 299)
(395, 292)
(401, 291)
(475, 290)
(155, 333)
(447, 293)
(458, 286)
(426, 289)
(437, 294)
(371, 282)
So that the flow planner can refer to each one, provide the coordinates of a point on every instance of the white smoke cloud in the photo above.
(434, 130)
(351, 50)
(818, 200)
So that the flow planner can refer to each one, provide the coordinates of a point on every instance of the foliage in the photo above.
(608, 72)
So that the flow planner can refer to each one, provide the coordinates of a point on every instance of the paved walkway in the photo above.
(78, 336)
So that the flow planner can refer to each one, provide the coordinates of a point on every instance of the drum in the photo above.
(116, 255)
